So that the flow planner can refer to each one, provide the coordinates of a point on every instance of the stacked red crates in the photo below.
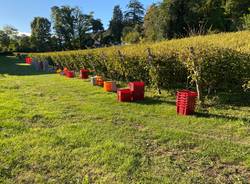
(137, 90)
(185, 102)
(84, 74)
(134, 93)
(124, 95)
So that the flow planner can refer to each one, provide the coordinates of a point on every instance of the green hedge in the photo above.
(224, 61)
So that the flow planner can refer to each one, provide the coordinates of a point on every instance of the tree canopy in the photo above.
(40, 34)
(116, 24)
(71, 29)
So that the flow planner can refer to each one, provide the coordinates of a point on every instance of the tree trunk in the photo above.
(199, 92)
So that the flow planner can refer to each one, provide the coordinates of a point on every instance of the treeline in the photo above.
(71, 29)
(11, 40)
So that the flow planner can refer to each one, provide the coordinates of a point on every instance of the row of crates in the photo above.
(108, 86)
(84, 74)
(135, 92)
(185, 99)
(39, 66)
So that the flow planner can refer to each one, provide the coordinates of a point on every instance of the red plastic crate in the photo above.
(136, 86)
(185, 102)
(84, 74)
(124, 95)
(28, 60)
(65, 71)
(184, 111)
(70, 74)
(137, 90)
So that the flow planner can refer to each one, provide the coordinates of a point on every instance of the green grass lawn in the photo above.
(59, 130)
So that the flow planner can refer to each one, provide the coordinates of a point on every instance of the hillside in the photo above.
(59, 130)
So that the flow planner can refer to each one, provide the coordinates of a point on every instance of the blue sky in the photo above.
(19, 13)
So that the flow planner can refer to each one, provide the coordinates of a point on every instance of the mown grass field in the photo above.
(59, 130)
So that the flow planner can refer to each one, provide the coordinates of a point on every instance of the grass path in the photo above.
(59, 130)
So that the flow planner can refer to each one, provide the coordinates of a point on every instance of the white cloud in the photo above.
(24, 33)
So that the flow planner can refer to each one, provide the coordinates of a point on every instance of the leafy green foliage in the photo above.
(179, 18)
(40, 34)
(153, 24)
(24, 43)
(134, 14)
(97, 25)
(132, 37)
(246, 21)
(116, 24)
(247, 86)
(234, 9)
(4, 39)
(223, 59)
(168, 19)
(8, 38)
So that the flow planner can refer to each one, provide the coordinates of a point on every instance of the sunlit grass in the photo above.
(59, 130)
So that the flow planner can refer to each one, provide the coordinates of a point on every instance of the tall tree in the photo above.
(72, 26)
(97, 32)
(54, 43)
(134, 14)
(24, 44)
(116, 24)
(213, 15)
(57, 25)
(201, 16)
(10, 31)
(183, 17)
(180, 15)
(40, 34)
(234, 10)
(133, 22)
(154, 28)
(63, 23)
(9, 38)
(82, 27)
(97, 25)
(4, 40)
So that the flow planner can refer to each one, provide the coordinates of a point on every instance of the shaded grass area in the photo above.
(11, 66)
(59, 130)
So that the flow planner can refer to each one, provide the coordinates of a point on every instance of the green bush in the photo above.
(224, 61)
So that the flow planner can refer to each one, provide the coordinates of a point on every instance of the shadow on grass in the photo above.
(155, 101)
(239, 99)
(225, 100)
(13, 66)
(220, 116)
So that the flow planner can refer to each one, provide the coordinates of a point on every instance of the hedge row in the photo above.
(224, 61)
